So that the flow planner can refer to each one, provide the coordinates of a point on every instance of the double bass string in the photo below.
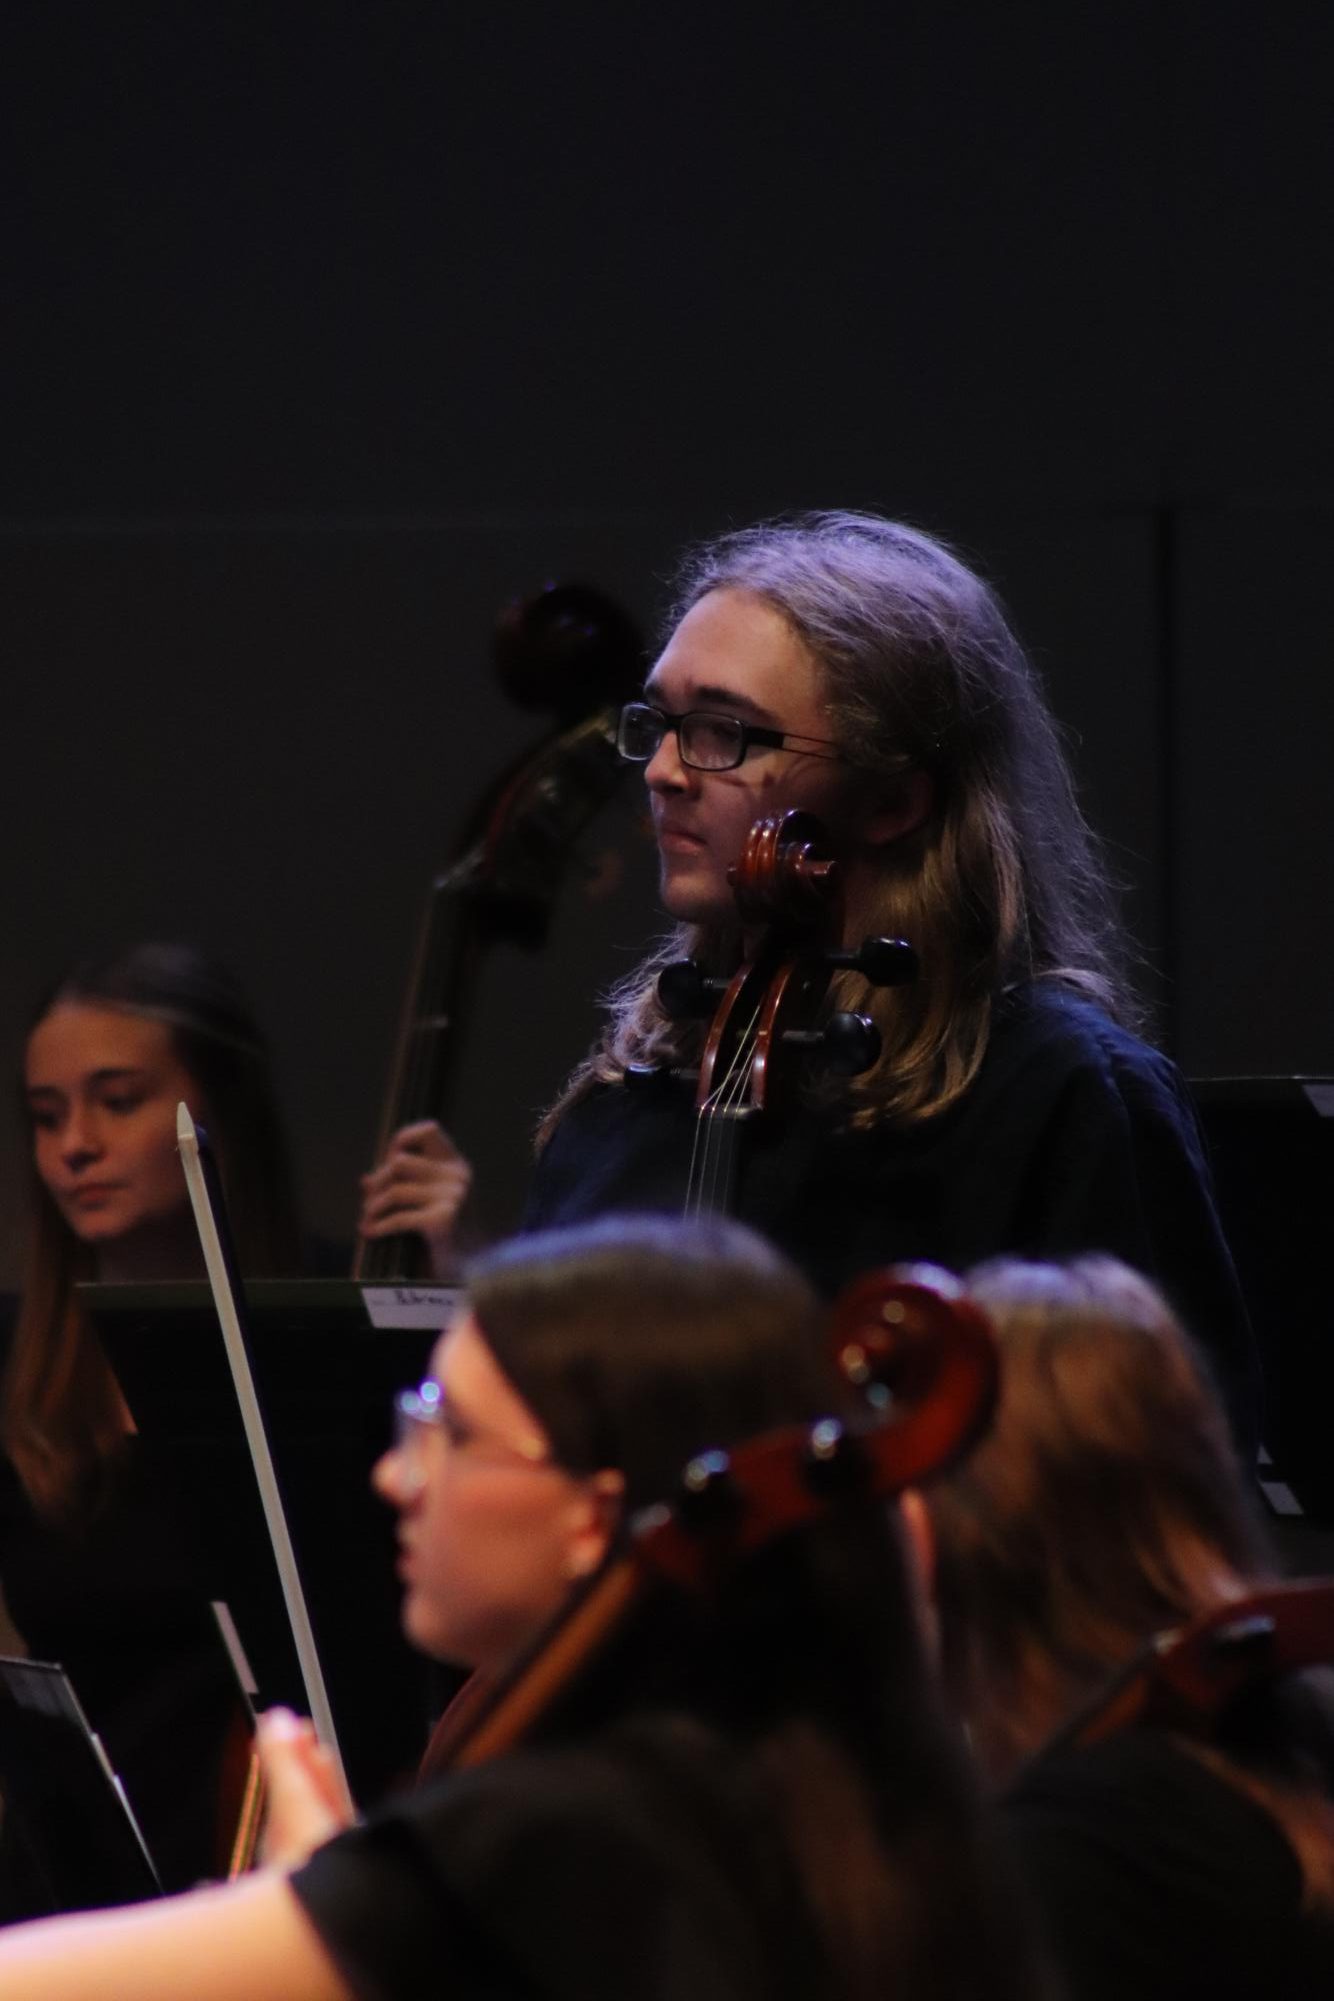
(414, 1087)
(429, 1017)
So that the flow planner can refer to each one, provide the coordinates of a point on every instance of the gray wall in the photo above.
(331, 328)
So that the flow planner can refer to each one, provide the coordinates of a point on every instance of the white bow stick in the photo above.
(224, 1299)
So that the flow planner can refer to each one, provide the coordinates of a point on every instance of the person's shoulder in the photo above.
(603, 1786)
(1156, 1876)
(582, 1867)
(657, 1803)
(1051, 1024)
(1141, 1793)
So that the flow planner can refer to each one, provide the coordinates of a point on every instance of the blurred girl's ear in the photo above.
(595, 1518)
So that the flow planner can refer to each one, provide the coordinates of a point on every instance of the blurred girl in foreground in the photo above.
(754, 1796)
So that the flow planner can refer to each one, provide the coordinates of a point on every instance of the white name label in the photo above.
(428, 1306)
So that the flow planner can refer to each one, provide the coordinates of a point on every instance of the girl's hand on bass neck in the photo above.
(418, 1189)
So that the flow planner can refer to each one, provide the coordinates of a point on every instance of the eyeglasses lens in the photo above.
(414, 1410)
(709, 743)
(639, 732)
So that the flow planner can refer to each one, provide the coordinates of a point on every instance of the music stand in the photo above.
(327, 1357)
(69, 1840)
(1271, 1142)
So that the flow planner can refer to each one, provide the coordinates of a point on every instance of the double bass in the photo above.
(573, 653)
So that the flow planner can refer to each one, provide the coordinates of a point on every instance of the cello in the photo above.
(909, 1333)
(767, 1026)
(1188, 1678)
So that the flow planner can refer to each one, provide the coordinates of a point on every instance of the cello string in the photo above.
(736, 1086)
(718, 1148)
(714, 1121)
(705, 1120)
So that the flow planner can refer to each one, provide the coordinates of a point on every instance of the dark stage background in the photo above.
(329, 328)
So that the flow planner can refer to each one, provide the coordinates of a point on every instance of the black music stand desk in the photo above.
(325, 1374)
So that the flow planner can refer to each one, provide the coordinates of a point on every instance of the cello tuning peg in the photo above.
(846, 1044)
(655, 1076)
(707, 1497)
(685, 992)
(885, 962)
(834, 1461)
(851, 1044)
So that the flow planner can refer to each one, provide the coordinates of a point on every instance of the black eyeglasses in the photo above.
(707, 742)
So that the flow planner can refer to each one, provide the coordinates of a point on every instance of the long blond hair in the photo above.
(1003, 882)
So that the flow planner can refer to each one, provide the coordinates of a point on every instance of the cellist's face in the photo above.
(734, 655)
(491, 1531)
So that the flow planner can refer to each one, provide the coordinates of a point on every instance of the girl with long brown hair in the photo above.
(95, 1571)
(1105, 1507)
(115, 1044)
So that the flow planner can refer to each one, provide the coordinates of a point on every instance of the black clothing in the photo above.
(112, 1599)
(1075, 1137)
(1159, 1881)
(630, 1870)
